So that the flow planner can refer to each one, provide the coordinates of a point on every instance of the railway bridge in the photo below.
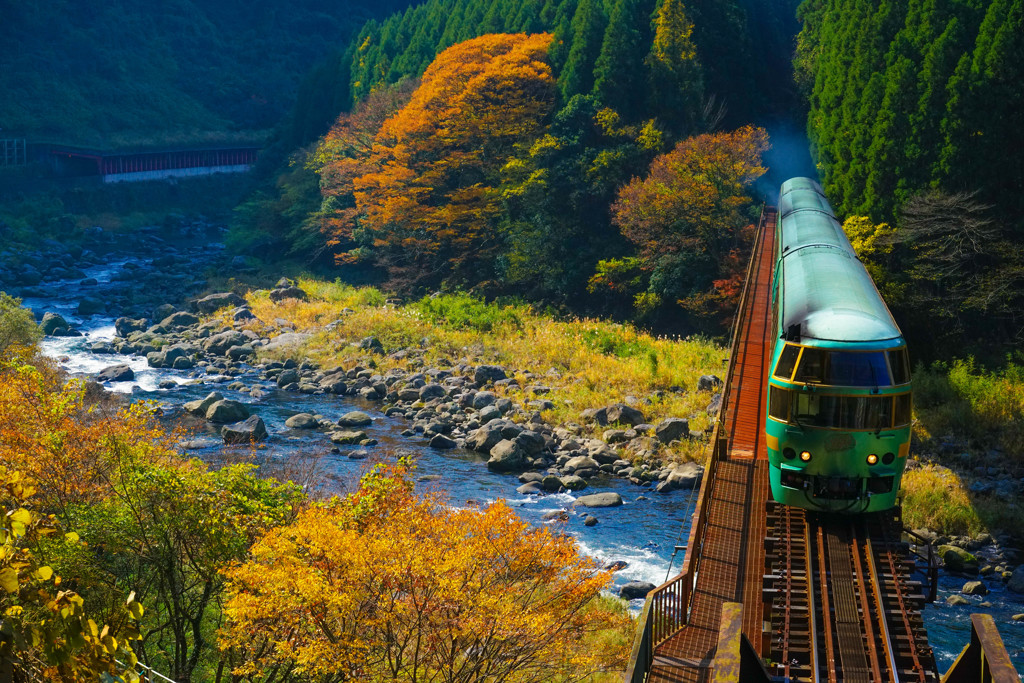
(772, 593)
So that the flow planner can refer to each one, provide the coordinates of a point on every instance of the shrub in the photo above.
(462, 311)
(17, 325)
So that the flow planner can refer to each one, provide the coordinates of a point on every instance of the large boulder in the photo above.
(289, 376)
(672, 429)
(179, 319)
(249, 430)
(125, 326)
(507, 456)
(607, 499)
(209, 304)
(708, 383)
(974, 588)
(356, 418)
(1016, 582)
(636, 590)
(348, 437)
(116, 373)
(487, 437)
(287, 341)
(488, 373)
(301, 421)
(226, 410)
(431, 391)
(621, 413)
(219, 344)
(442, 442)
(166, 357)
(282, 293)
(685, 476)
(52, 322)
(958, 560)
(580, 462)
(200, 407)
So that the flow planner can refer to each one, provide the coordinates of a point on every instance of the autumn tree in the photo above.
(428, 205)
(686, 216)
(383, 585)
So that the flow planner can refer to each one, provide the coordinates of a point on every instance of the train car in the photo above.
(839, 390)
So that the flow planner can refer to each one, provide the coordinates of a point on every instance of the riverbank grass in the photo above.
(575, 364)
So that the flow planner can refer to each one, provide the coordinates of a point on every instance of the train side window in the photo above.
(900, 365)
(903, 410)
(787, 361)
(778, 403)
(812, 367)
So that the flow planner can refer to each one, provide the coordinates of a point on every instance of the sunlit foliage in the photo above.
(382, 586)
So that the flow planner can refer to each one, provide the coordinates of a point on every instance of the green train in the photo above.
(839, 391)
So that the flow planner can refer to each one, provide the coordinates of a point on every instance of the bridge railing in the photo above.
(667, 608)
(985, 659)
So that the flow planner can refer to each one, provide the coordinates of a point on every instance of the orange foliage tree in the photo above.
(687, 217)
(428, 203)
(386, 586)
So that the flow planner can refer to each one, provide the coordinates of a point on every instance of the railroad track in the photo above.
(840, 601)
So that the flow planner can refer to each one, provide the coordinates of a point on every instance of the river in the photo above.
(643, 533)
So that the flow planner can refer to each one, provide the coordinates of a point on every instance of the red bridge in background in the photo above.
(126, 166)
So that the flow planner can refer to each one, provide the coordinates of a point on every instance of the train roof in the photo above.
(829, 294)
(803, 199)
(807, 227)
(800, 183)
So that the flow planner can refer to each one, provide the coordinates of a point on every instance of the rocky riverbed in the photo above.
(130, 316)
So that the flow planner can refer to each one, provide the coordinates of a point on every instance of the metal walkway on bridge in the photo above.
(743, 595)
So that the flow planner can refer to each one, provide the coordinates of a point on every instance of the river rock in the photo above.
(581, 462)
(671, 429)
(957, 600)
(116, 373)
(708, 383)
(239, 352)
(219, 344)
(90, 305)
(443, 442)
(1016, 581)
(287, 341)
(958, 560)
(301, 421)
(166, 357)
(636, 590)
(531, 442)
(482, 399)
(590, 520)
(571, 482)
(242, 314)
(200, 407)
(507, 456)
(356, 418)
(488, 373)
(289, 376)
(52, 322)
(974, 588)
(621, 413)
(530, 489)
(213, 302)
(488, 436)
(488, 413)
(347, 437)
(685, 476)
(249, 430)
(282, 293)
(178, 320)
(431, 391)
(125, 326)
(163, 310)
(555, 515)
(226, 410)
(607, 499)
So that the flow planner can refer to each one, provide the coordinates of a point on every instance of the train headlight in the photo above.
(888, 458)
(872, 459)
(805, 456)
(788, 453)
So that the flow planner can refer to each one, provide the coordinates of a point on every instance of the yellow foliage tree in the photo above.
(385, 586)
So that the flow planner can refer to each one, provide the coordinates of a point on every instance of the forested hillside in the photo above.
(125, 71)
(505, 168)
(916, 116)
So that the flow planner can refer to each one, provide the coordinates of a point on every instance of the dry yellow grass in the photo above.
(586, 363)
